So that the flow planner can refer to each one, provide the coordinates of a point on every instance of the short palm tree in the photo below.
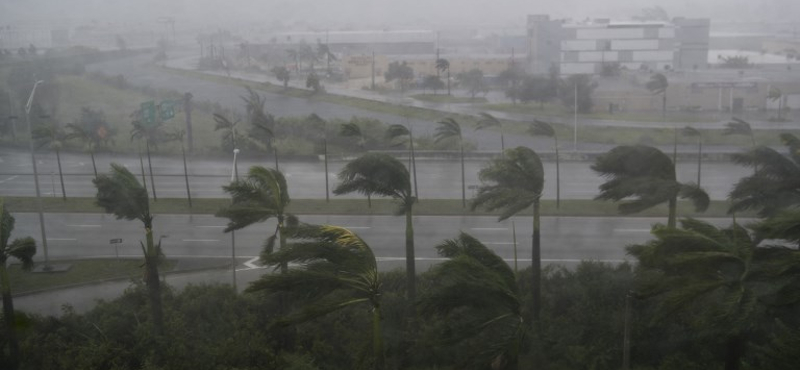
(487, 120)
(23, 250)
(444, 65)
(511, 184)
(647, 175)
(449, 128)
(693, 132)
(476, 289)
(658, 85)
(740, 127)
(337, 270)
(542, 128)
(716, 277)
(775, 183)
(383, 175)
(260, 196)
(352, 129)
(54, 137)
(397, 130)
(120, 194)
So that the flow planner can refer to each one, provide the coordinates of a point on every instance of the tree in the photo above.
(538, 89)
(262, 124)
(511, 184)
(229, 130)
(487, 120)
(54, 138)
(120, 194)
(323, 51)
(400, 72)
(383, 175)
(716, 278)
(693, 132)
(658, 85)
(510, 78)
(775, 183)
(775, 94)
(92, 130)
(441, 66)
(397, 130)
(578, 89)
(647, 175)
(432, 82)
(283, 75)
(312, 82)
(541, 128)
(450, 129)
(151, 133)
(260, 196)
(473, 81)
(339, 270)
(23, 250)
(477, 292)
(352, 129)
(740, 127)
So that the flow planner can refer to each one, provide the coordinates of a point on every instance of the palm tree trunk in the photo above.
(664, 104)
(141, 164)
(325, 149)
(411, 267)
(377, 337)
(413, 162)
(448, 80)
(699, 158)
(463, 180)
(275, 151)
(558, 177)
(150, 166)
(8, 315)
(673, 211)
(61, 175)
(282, 243)
(186, 176)
(94, 165)
(536, 266)
(153, 283)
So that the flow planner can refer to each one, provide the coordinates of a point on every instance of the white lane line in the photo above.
(251, 263)
(500, 243)
(489, 228)
(201, 240)
(85, 225)
(632, 230)
(9, 179)
(357, 227)
(211, 226)
(61, 239)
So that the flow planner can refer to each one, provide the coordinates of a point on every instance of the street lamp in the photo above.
(234, 176)
(36, 173)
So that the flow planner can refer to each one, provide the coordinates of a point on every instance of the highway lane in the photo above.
(436, 178)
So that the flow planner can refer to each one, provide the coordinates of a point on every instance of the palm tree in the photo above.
(716, 277)
(260, 196)
(177, 135)
(541, 128)
(314, 119)
(776, 94)
(229, 131)
(352, 129)
(775, 183)
(511, 184)
(477, 286)
(92, 131)
(783, 225)
(120, 194)
(23, 250)
(487, 120)
(382, 174)
(693, 132)
(339, 270)
(658, 85)
(54, 137)
(444, 65)
(647, 175)
(449, 128)
(151, 134)
(398, 130)
(261, 121)
(740, 127)
(323, 51)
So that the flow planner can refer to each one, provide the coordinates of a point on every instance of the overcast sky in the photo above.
(369, 13)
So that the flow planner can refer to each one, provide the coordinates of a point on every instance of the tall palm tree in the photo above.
(477, 288)
(338, 270)
(230, 133)
(449, 128)
(658, 85)
(775, 94)
(693, 132)
(352, 129)
(92, 131)
(177, 135)
(323, 125)
(263, 123)
(120, 194)
(444, 65)
(716, 277)
(397, 130)
(382, 174)
(775, 183)
(151, 134)
(23, 250)
(513, 183)
(260, 196)
(740, 127)
(487, 120)
(647, 175)
(542, 128)
(323, 51)
(53, 137)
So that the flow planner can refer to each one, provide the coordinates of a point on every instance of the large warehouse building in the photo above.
(588, 47)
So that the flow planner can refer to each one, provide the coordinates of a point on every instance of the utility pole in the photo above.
(575, 121)
(187, 109)
(373, 70)
(28, 106)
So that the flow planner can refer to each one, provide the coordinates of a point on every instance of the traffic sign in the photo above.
(167, 110)
(148, 112)
(116, 241)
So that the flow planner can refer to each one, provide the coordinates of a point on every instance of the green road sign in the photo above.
(167, 110)
(148, 112)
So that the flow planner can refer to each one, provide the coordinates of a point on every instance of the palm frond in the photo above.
(121, 194)
(397, 130)
(375, 174)
(541, 128)
(737, 127)
(690, 131)
(696, 194)
(350, 129)
(784, 225)
(511, 183)
(23, 250)
(487, 120)
(448, 128)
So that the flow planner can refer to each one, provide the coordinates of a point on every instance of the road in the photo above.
(440, 179)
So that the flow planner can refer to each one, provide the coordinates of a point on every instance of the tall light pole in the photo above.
(575, 121)
(36, 174)
(234, 176)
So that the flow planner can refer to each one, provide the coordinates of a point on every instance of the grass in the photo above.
(81, 272)
(444, 98)
(559, 110)
(433, 207)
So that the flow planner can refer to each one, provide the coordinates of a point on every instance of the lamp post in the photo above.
(234, 176)
(36, 173)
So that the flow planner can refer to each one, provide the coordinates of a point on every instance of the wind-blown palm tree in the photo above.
(93, 131)
(150, 134)
(317, 120)
(444, 65)
(262, 122)
(487, 120)
(120, 194)
(513, 183)
(352, 129)
(382, 174)
(397, 130)
(775, 183)
(323, 51)
(740, 127)
(260, 196)
(339, 270)
(658, 85)
(23, 250)
(479, 288)
(716, 277)
(541, 128)
(53, 137)
(177, 135)
(449, 128)
(647, 175)
(693, 132)
(230, 133)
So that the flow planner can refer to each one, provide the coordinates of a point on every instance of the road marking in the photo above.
(211, 226)
(489, 228)
(201, 240)
(357, 227)
(9, 179)
(61, 239)
(500, 243)
(85, 225)
(251, 263)
(632, 230)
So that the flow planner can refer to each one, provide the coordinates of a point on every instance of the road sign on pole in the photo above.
(167, 110)
(148, 112)
(115, 241)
